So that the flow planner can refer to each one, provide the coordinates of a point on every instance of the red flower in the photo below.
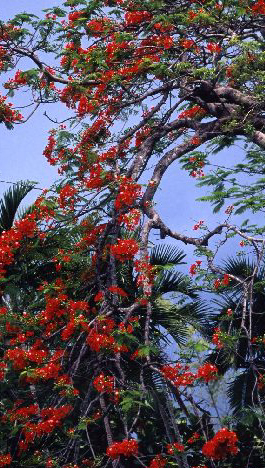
(214, 48)
(207, 372)
(259, 7)
(158, 462)
(127, 448)
(75, 15)
(116, 290)
(137, 17)
(216, 338)
(5, 459)
(195, 111)
(176, 447)
(125, 249)
(223, 444)
(187, 43)
(104, 383)
(226, 280)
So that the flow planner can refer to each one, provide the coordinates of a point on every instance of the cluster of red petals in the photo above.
(195, 436)
(130, 219)
(195, 111)
(176, 447)
(125, 249)
(104, 383)
(214, 48)
(127, 448)
(128, 193)
(223, 444)
(84, 106)
(187, 43)
(224, 282)
(216, 338)
(137, 17)
(117, 290)
(178, 375)
(259, 7)
(158, 462)
(49, 149)
(195, 267)
(66, 196)
(141, 135)
(146, 276)
(50, 419)
(97, 341)
(198, 225)
(99, 26)
(22, 414)
(7, 114)
(5, 460)
(18, 80)
(207, 372)
(75, 15)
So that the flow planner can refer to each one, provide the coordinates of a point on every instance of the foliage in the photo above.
(91, 310)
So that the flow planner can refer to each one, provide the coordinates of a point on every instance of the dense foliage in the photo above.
(90, 307)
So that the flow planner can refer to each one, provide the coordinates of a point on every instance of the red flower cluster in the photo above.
(259, 7)
(117, 290)
(75, 15)
(128, 448)
(187, 43)
(216, 339)
(195, 140)
(23, 413)
(66, 196)
(207, 372)
(130, 219)
(5, 459)
(49, 149)
(104, 383)
(99, 26)
(84, 106)
(128, 193)
(223, 444)
(195, 436)
(214, 48)
(125, 249)
(158, 462)
(141, 134)
(174, 448)
(178, 375)
(51, 418)
(145, 279)
(137, 17)
(18, 80)
(195, 267)
(97, 341)
(7, 114)
(198, 225)
(195, 111)
(224, 282)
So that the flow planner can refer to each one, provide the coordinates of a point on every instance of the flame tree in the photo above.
(85, 379)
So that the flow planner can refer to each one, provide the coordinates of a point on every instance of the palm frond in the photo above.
(171, 281)
(10, 202)
(242, 392)
(176, 320)
(163, 254)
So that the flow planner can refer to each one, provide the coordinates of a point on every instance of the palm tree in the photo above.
(248, 360)
(10, 203)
